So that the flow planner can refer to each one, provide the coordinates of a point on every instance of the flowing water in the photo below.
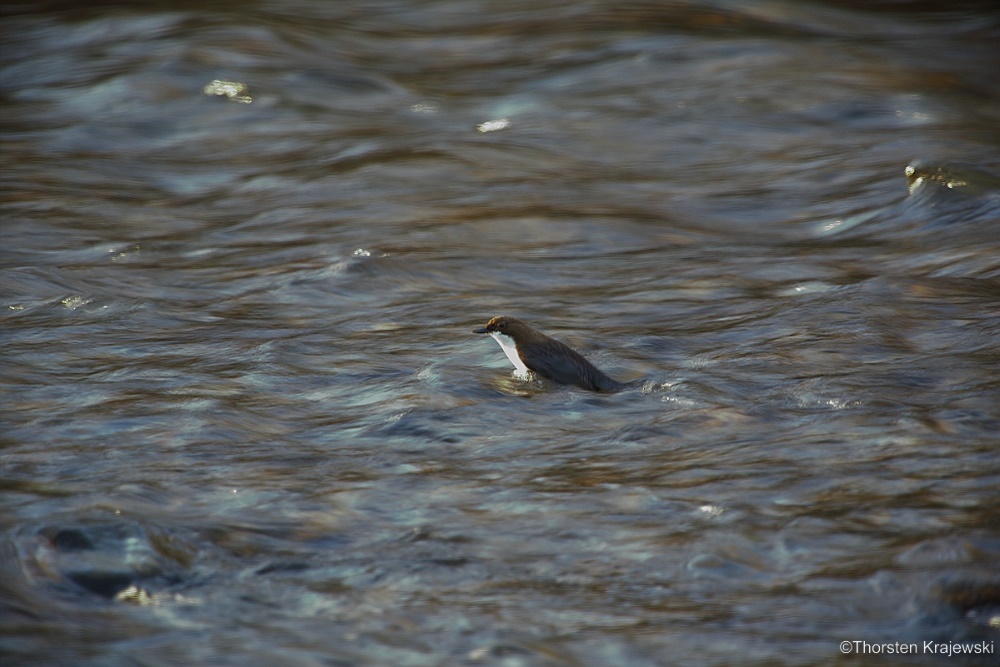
(245, 420)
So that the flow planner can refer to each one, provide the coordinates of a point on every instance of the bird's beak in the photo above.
(483, 330)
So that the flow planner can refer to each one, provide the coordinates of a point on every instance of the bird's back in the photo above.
(561, 363)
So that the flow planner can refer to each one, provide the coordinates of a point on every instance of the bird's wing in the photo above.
(561, 363)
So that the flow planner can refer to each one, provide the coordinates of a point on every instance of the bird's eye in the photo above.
(502, 325)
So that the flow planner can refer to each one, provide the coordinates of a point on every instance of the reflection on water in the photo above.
(244, 416)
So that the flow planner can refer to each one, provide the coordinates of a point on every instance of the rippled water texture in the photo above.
(245, 420)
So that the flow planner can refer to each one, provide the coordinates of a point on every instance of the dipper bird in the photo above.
(531, 350)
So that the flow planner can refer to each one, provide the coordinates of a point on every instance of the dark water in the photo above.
(245, 420)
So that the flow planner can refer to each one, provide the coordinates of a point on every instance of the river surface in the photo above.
(245, 420)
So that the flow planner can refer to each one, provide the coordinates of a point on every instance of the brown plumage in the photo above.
(546, 356)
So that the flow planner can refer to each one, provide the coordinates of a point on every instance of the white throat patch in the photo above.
(510, 349)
